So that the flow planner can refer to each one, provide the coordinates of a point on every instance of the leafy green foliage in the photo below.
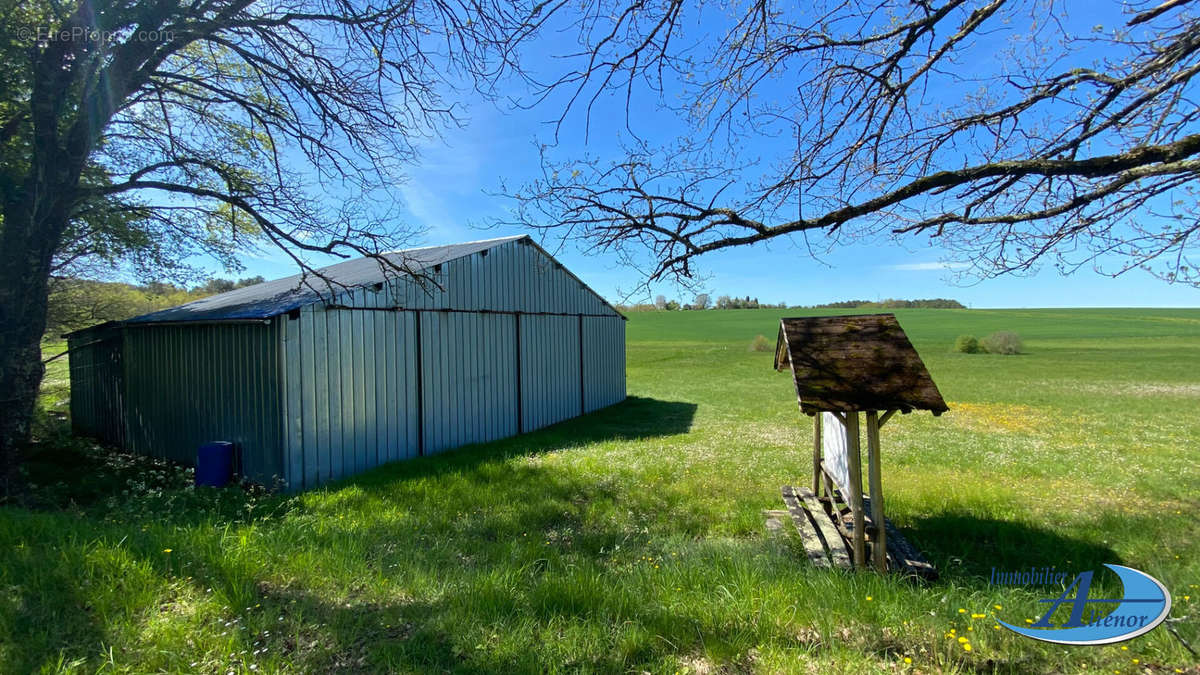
(78, 303)
(966, 344)
(726, 302)
(1002, 342)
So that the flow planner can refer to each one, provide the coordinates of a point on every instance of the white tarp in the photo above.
(833, 442)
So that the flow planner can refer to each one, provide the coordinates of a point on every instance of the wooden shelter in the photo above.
(843, 366)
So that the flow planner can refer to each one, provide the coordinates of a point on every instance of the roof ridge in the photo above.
(282, 295)
(497, 240)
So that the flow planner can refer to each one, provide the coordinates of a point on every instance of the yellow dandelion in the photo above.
(997, 606)
(1136, 661)
(997, 626)
(166, 550)
(966, 646)
(869, 598)
(970, 628)
(961, 610)
(962, 640)
(1124, 648)
(907, 660)
(977, 616)
(1187, 598)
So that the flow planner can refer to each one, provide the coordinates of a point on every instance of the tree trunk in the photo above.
(26, 249)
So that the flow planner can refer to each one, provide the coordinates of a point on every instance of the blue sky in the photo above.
(451, 194)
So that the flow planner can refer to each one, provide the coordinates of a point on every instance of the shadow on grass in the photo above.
(633, 419)
(966, 548)
(468, 518)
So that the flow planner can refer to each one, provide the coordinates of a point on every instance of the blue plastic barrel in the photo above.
(214, 464)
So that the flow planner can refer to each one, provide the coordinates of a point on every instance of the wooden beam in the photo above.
(833, 540)
(885, 417)
(816, 481)
(875, 481)
(854, 455)
(813, 547)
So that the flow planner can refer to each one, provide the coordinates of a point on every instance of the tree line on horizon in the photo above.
(702, 302)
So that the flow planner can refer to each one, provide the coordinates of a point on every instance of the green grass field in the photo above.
(633, 539)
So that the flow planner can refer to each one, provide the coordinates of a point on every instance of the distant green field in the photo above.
(633, 539)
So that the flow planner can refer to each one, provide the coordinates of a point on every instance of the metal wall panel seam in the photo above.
(370, 421)
(309, 466)
(420, 377)
(582, 381)
(334, 381)
(320, 471)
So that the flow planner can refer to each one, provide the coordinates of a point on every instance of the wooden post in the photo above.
(875, 481)
(854, 456)
(816, 485)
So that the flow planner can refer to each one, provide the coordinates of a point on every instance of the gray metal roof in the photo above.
(272, 298)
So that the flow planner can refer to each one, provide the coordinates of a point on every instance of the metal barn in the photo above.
(313, 380)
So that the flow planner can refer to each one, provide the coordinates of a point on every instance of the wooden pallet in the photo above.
(824, 527)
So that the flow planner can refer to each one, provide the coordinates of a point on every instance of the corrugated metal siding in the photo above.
(187, 385)
(512, 277)
(550, 360)
(351, 379)
(468, 379)
(97, 385)
(381, 374)
(350, 383)
(603, 361)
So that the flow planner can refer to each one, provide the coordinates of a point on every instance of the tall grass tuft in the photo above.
(760, 344)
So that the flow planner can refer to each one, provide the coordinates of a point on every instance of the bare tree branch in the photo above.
(1004, 129)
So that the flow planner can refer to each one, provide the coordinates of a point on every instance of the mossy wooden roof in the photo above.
(853, 363)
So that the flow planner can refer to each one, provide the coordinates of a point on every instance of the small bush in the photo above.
(967, 344)
(1003, 342)
(760, 344)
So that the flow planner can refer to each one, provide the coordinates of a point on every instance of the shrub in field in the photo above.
(967, 344)
(1003, 342)
(760, 344)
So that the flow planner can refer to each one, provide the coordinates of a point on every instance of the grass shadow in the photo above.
(965, 548)
(633, 419)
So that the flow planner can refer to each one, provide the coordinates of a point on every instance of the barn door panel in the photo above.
(551, 388)
(603, 361)
(468, 379)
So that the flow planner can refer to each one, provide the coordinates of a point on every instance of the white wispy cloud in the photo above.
(928, 266)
